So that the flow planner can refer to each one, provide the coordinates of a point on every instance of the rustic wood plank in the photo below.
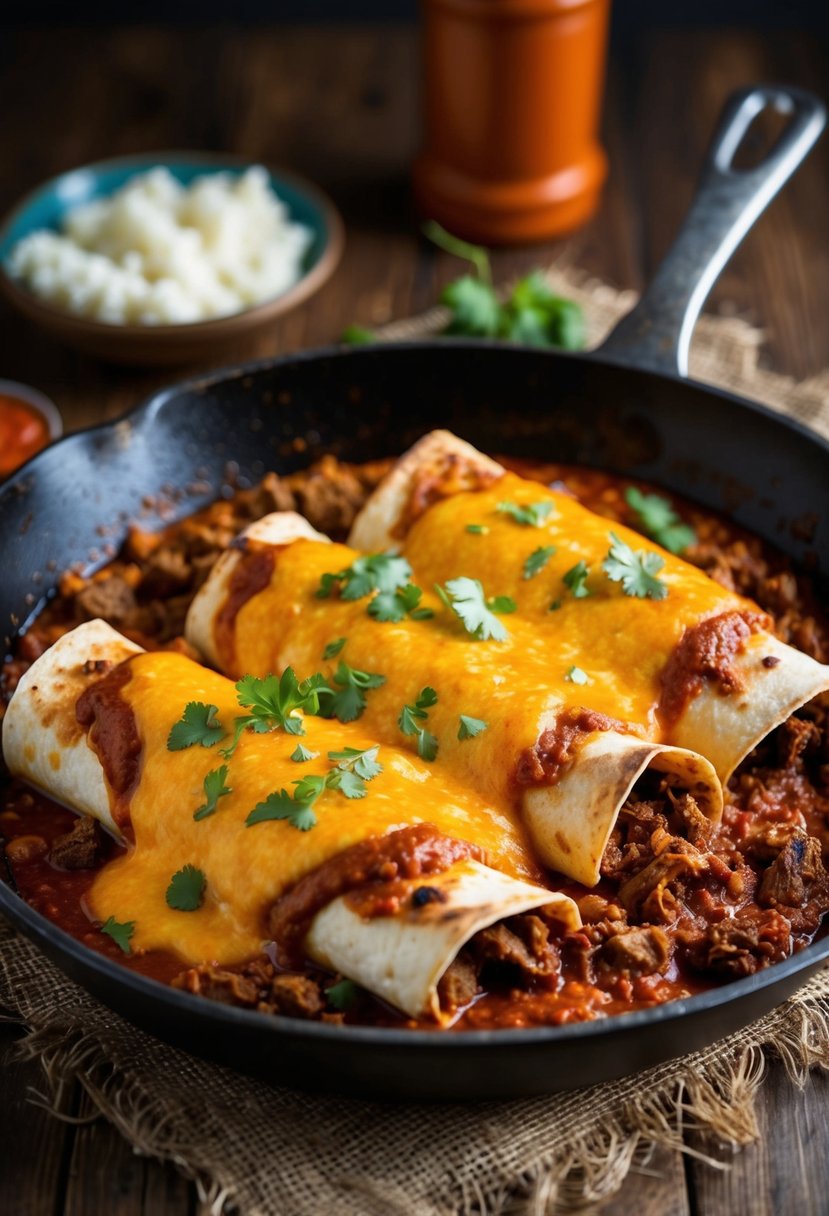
(106, 1178)
(34, 1146)
(657, 1188)
(786, 1173)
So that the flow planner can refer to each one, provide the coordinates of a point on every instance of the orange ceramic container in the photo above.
(512, 101)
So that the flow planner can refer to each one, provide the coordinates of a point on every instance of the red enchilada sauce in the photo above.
(680, 906)
(23, 431)
(111, 730)
(707, 652)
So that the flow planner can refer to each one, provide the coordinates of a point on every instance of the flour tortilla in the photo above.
(400, 958)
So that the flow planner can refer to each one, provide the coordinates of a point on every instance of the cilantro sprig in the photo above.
(214, 789)
(537, 560)
(655, 516)
(198, 724)
(354, 767)
(636, 571)
(301, 755)
(120, 931)
(397, 605)
(465, 597)
(468, 727)
(576, 580)
(186, 890)
(348, 703)
(373, 572)
(273, 702)
(529, 515)
(342, 995)
(410, 719)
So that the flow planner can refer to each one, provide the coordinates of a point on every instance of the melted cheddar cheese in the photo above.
(247, 868)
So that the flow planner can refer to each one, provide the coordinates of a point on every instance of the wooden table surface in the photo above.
(340, 105)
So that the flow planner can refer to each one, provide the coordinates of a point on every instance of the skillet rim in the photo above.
(38, 929)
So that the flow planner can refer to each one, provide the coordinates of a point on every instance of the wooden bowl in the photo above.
(165, 344)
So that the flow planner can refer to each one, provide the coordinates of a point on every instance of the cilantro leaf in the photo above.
(536, 315)
(477, 529)
(357, 335)
(470, 727)
(537, 560)
(186, 890)
(120, 931)
(554, 607)
(214, 789)
(656, 517)
(282, 805)
(343, 994)
(396, 605)
(476, 310)
(636, 571)
(198, 724)
(348, 704)
(273, 702)
(531, 515)
(576, 580)
(333, 648)
(373, 572)
(347, 782)
(576, 676)
(301, 754)
(410, 718)
(465, 597)
(362, 761)
(504, 604)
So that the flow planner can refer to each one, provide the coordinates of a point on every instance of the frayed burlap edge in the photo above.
(584, 1145)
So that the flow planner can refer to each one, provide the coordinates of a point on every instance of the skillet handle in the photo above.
(656, 335)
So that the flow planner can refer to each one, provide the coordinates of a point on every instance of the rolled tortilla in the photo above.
(520, 687)
(421, 509)
(248, 868)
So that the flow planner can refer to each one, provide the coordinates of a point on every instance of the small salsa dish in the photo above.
(28, 422)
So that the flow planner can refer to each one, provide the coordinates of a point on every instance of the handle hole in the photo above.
(760, 139)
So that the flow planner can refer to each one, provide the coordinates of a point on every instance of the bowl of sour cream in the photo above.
(162, 258)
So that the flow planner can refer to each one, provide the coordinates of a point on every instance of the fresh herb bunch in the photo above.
(531, 314)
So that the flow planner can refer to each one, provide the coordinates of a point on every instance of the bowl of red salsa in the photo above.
(28, 422)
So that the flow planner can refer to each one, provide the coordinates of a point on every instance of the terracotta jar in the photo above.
(511, 102)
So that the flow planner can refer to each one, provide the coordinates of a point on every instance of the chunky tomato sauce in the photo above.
(23, 431)
(680, 906)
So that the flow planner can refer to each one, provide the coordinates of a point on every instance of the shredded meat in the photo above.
(637, 951)
(459, 983)
(79, 849)
(112, 598)
(256, 987)
(650, 893)
(742, 945)
(797, 882)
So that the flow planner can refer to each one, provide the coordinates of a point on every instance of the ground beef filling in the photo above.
(706, 653)
(371, 875)
(112, 731)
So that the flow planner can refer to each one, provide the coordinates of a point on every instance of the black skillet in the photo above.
(627, 407)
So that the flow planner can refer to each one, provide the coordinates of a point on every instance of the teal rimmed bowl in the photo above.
(160, 344)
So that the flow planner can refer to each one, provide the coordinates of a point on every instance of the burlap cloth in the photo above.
(271, 1152)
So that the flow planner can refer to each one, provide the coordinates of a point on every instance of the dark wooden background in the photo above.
(341, 106)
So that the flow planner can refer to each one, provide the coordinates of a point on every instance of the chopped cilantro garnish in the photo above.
(635, 571)
(656, 517)
(120, 931)
(333, 648)
(396, 605)
(214, 789)
(198, 724)
(301, 754)
(273, 702)
(554, 607)
(576, 580)
(409, 722)
(465, 597)
(470, 727)
(477, 529)
(374, 572)
(576, 676)
(343, 994)
(532, 515)
(349, 776)
(537, 560)
(350, 701)
(186, 890)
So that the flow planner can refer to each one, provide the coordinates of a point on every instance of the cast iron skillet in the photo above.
(625, 408)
